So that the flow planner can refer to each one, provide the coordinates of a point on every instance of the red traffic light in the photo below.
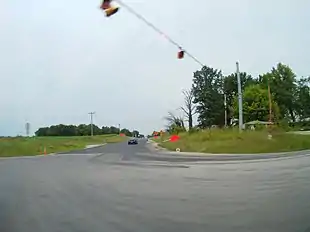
(108, 8)
(180, 54)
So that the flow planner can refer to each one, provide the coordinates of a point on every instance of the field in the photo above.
(24, 146)
(231, 141)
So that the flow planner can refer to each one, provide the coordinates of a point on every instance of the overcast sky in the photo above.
(61, 59)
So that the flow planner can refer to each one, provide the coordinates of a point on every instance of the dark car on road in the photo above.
(132, 141)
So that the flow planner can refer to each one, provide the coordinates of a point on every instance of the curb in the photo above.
(200, 154)
(222, 157)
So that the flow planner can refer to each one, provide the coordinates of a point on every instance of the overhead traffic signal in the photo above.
(108, 8)
(181, 54)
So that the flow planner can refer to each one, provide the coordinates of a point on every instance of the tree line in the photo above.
(82, 130)
(278, 96)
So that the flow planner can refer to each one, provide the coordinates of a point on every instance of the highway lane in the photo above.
(97, 192)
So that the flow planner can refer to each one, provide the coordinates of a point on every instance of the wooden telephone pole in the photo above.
(270, 103)
(270, 112)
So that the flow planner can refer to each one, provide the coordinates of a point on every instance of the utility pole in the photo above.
(270, 112)
(225, 106)
(270, 103)
(119, 128)
(239, 98)
(27, 129)
(225, 102)
(91, 123)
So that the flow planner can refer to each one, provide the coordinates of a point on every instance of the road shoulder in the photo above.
(159, 152)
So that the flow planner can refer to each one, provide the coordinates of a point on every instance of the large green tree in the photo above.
(208, 96)
(255, 104)
(283, 86)
(303, 98)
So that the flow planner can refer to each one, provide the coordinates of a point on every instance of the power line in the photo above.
(161, 33)
(156, 29)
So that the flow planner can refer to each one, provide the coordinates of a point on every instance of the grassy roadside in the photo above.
(231, 141)
(23, 146)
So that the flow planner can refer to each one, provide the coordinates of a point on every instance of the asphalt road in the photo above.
(113, 189)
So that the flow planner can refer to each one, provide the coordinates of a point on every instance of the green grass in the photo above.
(231, 141)
(23, 146)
